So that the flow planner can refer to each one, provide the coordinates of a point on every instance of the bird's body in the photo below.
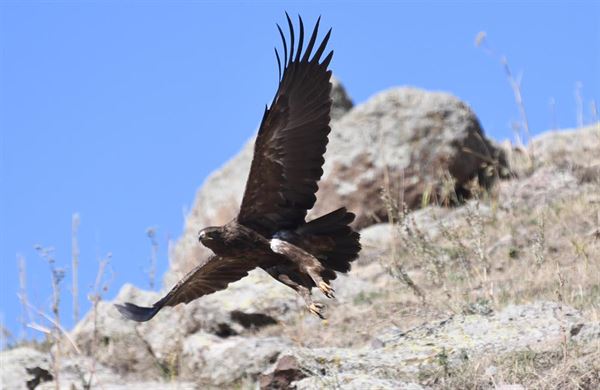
(271, 231)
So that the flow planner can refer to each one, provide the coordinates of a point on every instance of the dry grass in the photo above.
(507, 255)
(531, 369)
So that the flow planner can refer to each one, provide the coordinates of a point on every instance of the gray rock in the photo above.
(573, 150)
(568, 147)
(14, 364)
(354, 382)
(585, 333)
(215, 361)
(341, 101)
(282, 374)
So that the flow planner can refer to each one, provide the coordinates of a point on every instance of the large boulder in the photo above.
(417, 145)
(412, 141)
(217, 362)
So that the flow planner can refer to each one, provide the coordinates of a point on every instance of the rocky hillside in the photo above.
(488, 277)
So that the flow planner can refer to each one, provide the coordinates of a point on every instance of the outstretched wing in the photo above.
(291, 141)
(214, 275)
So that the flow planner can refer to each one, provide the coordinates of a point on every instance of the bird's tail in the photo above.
(331, 240)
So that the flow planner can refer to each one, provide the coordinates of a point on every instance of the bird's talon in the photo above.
(316, 309)
(327, 290)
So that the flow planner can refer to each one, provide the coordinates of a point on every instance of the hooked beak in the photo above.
(204, 236)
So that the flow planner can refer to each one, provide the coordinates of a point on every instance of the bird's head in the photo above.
(210, 236)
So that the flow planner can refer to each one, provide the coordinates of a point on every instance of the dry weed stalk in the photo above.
(4, 334)
(421, 247)
(539, 240)
(515, 84)
(57, 276)
(395, 264)
(579, 103)
(22, 295)
(95, 297)
(151, 233)
(476, 224)
(75, 265)
(56, 333)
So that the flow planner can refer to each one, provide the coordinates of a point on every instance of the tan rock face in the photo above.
(408, 140)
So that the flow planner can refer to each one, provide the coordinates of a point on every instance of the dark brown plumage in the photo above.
(270, 230)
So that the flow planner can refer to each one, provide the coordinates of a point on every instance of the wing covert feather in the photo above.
(214, 275)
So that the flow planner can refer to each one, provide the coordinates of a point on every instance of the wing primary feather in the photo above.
(300, 39)
(296, 121)
(278, 63)
(284, 46)
(138, 313)
(327, 60)
(291, 27)
(312, 41)
(321, 48)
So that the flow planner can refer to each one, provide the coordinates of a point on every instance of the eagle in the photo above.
(270, 230)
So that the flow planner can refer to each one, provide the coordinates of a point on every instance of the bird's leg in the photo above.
(315, 308)
(321, 283)
(306, 262)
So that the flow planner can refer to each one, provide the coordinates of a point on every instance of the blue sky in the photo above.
(118, 110)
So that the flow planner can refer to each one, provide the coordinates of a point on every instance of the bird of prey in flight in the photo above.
(271, 231)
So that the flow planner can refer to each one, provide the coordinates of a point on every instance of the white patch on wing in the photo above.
(277, 245)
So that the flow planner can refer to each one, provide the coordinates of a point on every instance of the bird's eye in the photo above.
(206, 235)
